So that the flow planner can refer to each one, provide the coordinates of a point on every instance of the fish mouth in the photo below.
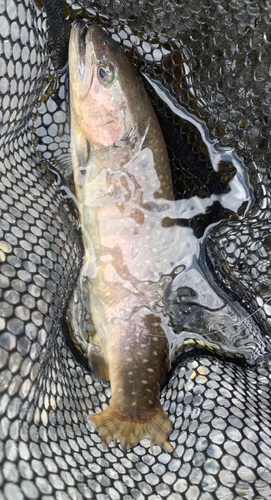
(84, 54)
(82, 28)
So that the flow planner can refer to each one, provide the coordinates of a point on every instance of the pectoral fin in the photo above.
(97, 362)
(81, 151)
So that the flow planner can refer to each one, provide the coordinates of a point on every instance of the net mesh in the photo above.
(213, 59)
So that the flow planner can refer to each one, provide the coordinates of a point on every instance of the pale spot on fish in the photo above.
(155, 338)
(129, 359)
(145, 360)
(150, 370)
(144, 381)
(150, 402)
(148, 390)
(130, 373)
(134, 403)
(143, 345)
(127, 348)
(133, 393)
(155, 353)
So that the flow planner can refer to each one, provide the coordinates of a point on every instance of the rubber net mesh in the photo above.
(206, 65)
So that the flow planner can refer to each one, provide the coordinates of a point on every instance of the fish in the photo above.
(122, 178)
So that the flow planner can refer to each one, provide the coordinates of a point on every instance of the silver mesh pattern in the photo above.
(213, 59)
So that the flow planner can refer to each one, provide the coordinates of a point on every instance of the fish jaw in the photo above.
(77, 53)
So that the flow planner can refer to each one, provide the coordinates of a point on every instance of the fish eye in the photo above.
(107, 73)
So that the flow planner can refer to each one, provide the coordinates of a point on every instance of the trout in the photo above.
(121, 173)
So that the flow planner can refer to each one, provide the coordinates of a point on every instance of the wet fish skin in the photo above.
(120, 167)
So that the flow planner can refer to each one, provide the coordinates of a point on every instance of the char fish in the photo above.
(122, 175)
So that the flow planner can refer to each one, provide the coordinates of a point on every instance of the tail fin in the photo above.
(112, 424)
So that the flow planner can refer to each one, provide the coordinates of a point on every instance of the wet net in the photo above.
(206, 66)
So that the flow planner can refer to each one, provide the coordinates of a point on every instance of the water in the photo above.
(193, 311)
(200, 313)
(240, 189)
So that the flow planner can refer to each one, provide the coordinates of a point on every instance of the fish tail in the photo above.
(129, 430)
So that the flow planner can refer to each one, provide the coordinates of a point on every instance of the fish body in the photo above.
(121, 171)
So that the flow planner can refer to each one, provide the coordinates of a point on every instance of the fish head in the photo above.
(103, 86)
